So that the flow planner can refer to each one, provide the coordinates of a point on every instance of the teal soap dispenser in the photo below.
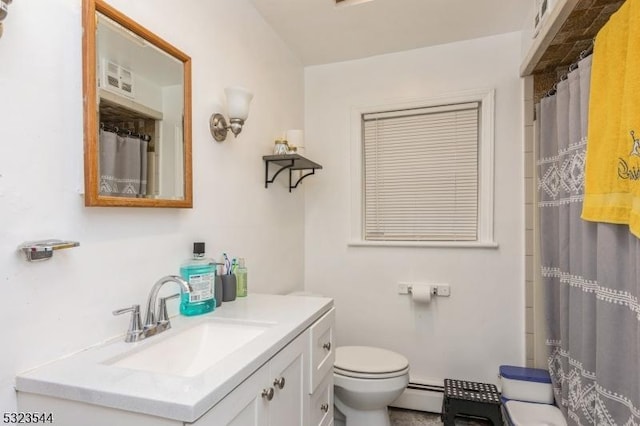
(199, 272)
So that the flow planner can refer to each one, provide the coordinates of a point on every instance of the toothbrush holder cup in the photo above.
(228, 287)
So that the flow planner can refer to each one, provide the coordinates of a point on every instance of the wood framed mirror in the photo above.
(137, 114)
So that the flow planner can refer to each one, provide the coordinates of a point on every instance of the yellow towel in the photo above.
(612, 168)
(631, 111)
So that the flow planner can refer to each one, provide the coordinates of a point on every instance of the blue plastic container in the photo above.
(526, 384)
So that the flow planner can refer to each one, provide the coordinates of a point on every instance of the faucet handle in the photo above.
(163, 317)
(135, 326)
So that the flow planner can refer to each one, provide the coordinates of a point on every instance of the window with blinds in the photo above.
(420, 173)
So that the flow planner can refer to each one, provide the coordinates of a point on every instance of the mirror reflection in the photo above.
(142, 117)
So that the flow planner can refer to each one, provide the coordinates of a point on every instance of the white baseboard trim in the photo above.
(420, 400)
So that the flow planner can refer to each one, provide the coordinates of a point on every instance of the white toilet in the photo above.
(366, 380)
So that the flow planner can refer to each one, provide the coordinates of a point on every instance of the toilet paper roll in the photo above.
(421, 293)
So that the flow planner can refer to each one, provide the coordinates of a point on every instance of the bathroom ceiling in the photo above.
(319, 31)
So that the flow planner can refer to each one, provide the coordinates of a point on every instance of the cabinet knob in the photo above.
(267, 393)
(327, 346)
(279, 383)
(324, 407)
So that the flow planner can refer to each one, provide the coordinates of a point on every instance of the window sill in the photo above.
(438, 244)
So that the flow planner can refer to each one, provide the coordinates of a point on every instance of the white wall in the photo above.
(51, 308)
(482, 324)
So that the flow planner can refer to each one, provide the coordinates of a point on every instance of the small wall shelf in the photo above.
(291, 162)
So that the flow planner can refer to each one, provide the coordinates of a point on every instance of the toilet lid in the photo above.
(534, 414)
(369, 360)
(357, 375)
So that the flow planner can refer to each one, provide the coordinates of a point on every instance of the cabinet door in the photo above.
(289, 381)
(245, 406)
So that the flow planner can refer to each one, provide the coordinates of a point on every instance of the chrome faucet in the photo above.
(155, 321)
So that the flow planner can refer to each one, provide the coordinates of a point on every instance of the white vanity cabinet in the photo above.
(273, 395)
(282, 378)
(243, 407)
(321, 404)
(295, 388)
(322, 354)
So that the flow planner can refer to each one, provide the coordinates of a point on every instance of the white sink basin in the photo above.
(193, 350)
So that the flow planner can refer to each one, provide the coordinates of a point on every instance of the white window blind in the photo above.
(421, 174)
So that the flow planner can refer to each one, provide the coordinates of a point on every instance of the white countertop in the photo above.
(87, 377)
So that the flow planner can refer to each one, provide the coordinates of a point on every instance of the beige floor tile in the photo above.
(400, 417)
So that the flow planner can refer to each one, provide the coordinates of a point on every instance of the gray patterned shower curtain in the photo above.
(590, 274)
(123, 165)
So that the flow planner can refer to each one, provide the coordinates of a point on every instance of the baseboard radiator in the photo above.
(421, 397)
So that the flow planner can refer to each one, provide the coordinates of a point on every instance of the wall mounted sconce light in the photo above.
(4, 10)
(238, 100)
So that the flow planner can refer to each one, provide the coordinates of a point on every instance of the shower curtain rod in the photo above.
(572, 67)
(124, 132)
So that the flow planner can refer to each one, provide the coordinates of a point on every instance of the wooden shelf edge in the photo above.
(549, 30)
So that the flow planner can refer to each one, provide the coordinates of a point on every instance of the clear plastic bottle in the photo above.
(200, 272)
(241, 278)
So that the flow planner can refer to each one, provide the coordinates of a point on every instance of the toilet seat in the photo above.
(534, 414)
(359, 375)
(365, 362)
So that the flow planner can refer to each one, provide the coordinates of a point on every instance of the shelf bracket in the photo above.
(312, 172)
(267, 181)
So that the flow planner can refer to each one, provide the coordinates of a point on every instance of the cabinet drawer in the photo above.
(322, 349)
(321, 407)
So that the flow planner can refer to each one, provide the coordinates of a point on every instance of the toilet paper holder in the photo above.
(435, 289)
(432, 289)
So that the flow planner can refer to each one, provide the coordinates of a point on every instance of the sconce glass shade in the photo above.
(238, 100)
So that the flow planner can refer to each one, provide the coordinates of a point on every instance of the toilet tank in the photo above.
(304, 293)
